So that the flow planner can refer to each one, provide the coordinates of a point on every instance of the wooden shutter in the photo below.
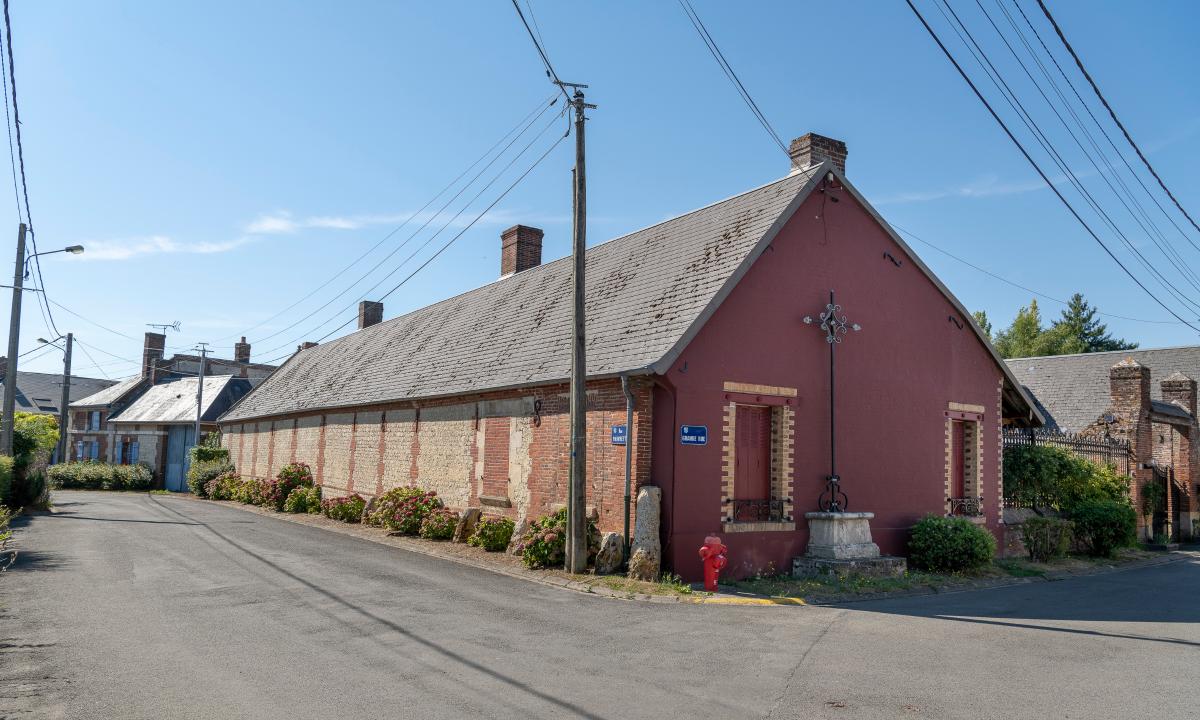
(752, 453)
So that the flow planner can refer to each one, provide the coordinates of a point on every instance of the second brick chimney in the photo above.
(520, 249)
(241, 351)
(152, 353)
(370, 313)
(813, 149)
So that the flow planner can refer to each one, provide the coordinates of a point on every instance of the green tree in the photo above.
(1081, 332)
(1024, 337)
(981, 319)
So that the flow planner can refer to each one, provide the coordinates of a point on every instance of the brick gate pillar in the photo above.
(1129, 400)
(1180, 390)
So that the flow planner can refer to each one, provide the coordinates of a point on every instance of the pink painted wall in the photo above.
(895, 379)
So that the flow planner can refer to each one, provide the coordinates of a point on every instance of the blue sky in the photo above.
(222, 160)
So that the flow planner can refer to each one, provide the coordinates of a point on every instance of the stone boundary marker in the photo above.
(698, 598)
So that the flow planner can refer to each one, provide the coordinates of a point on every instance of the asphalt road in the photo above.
(147, 606)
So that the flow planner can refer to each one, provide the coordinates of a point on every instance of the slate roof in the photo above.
(108, 395)
(1072, 390)
(647, 295)
(175, 401)
(41, 392)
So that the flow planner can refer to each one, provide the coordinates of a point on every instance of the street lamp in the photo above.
(20, 272)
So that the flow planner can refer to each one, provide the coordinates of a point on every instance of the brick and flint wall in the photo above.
(451, 446)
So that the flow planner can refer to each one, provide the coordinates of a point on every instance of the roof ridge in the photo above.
(1102, 352)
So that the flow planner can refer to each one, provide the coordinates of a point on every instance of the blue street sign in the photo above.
(619, 434)
(693, 434)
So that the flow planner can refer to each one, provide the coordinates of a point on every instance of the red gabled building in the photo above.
(702, 319)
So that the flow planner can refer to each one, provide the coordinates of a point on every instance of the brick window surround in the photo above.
(964, 448)
(780, 404)
(495, 456)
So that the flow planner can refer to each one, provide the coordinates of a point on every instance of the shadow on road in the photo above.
(1160, 594)
(38, 560)
(563, 705)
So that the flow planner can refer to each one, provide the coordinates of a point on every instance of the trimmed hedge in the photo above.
(92, 475)
(950, 544)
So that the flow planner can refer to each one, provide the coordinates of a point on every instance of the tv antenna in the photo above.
(165, 326)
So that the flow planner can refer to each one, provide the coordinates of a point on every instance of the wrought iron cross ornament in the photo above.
(835, 325)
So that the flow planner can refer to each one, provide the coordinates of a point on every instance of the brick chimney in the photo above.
(152, 353)
(520, 249)
(369, 313)
(241, 351)
(1181, 390)
(1129, 402)
(305, 345)
(813, 149)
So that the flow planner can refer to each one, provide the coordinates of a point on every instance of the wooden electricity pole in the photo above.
(577, 540)
(14, 340)
(64, 409)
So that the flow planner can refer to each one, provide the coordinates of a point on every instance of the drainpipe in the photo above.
(628, 454)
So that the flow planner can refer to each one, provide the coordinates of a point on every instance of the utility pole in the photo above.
(200, 392)
(63, 409)
(14, 340)
(577, 540)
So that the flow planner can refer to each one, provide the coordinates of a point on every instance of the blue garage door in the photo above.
(179, 439)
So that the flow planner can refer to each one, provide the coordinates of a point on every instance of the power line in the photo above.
(1112, 113)
(449, 242)
(93, 360)
(1026, 118)
(1164, 245)
(1037, 167)
(92, 322)
(523, 124)
(426, 224)
(726, 68)
(538, 46)
(1017, 285)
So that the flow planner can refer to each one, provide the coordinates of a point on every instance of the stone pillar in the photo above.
(1181, 390)
(1129, 402)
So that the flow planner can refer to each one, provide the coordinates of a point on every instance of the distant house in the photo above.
(701, 318)
(150, 418)
(1145, 397)
(41, 393)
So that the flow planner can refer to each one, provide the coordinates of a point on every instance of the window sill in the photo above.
(741, 527)
(495, 501)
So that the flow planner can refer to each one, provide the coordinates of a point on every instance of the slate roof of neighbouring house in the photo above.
(108, 395)
(1072, 390)
(175, 401)
(41, 392)
(647, 295)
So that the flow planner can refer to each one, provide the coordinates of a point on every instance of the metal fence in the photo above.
(1100, 450)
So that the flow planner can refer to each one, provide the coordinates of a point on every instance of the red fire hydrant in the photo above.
(713, 555)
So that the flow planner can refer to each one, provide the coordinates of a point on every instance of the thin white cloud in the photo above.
(153, 245)
(987, 186)
(284, 223)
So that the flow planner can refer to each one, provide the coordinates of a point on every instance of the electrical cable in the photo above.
(1036, 167)
(732, 76)
(529, 118)
(451, 241)
(550, 73)
(1112, 113)
(92, 322)
(424, 225)
(1026, 118)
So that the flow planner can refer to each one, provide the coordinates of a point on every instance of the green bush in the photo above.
(1102, 526)
(492, 534)
(6, 476)
(545, 544)
(209, 450)
(439, 524)
(403, 509)
(384, 507)
(314, 499)
(1046, 538)
(1047, 476)
(223, 486)
(1154, 498)
(93, 475)
(202, 472)
(297, 501)
(347, 509)
(950, 544)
